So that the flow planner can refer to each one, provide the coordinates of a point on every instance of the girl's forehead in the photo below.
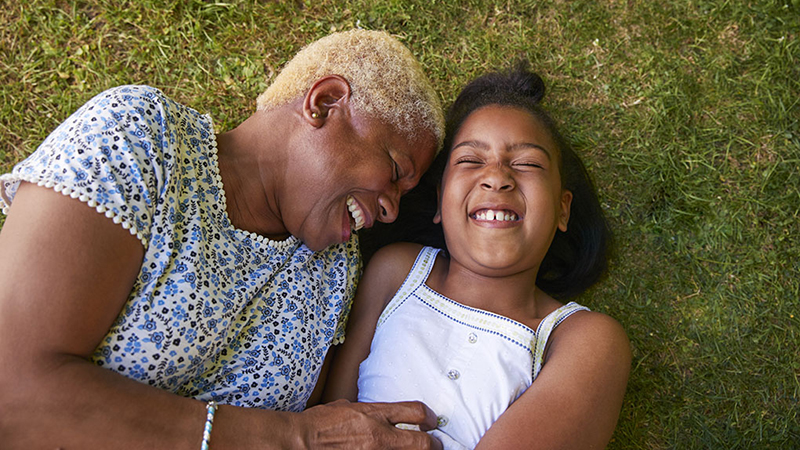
(510, 123)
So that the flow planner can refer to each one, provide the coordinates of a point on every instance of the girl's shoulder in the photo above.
(394, 260)
(589, 329)
(390, 266)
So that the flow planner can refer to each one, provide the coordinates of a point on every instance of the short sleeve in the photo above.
(353, 274)
(108, 154)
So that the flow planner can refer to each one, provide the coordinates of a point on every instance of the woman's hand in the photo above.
(342, 424)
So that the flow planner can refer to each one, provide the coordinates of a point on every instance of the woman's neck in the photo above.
(250, 164)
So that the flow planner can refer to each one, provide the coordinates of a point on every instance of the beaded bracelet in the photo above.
(211, 407)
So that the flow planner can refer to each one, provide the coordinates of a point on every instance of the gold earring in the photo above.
(314, 115)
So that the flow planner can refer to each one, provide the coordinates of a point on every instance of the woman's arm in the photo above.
(576, 399)
(382, 278)
(65, 273)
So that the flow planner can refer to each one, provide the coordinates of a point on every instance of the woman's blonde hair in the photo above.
(386, 81)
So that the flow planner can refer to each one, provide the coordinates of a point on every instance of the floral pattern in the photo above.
(216, 313)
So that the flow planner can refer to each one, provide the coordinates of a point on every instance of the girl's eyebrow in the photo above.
(480, 145)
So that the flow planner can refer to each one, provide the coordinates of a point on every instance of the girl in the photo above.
(471, 331)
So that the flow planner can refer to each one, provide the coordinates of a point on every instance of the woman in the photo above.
(221, 268)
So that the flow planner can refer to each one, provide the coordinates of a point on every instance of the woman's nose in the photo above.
(389, 204)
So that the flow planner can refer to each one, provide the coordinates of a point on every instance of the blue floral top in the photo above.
(216, 312)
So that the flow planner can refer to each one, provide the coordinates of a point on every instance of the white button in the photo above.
(453, 374)
(472, 338)
(441, 421)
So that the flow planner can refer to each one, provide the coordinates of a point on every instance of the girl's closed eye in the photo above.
(529, 165)
(468, 160)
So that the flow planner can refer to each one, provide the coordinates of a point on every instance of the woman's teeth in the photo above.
(500, 216)
(356, 213)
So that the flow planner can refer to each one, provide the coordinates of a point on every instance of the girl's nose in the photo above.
(497, 178)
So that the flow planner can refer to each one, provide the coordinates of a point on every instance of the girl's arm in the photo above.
(576, 399)
(382, 278)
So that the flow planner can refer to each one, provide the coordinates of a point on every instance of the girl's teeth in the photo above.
(500, 216)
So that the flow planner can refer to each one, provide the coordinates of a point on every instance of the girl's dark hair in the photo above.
(577, 258)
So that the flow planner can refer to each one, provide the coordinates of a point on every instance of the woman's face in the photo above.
(353, 171)
(501, 199)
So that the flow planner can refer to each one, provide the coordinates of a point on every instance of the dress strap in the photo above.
(416, 277)
(425, 261)
(546, 327)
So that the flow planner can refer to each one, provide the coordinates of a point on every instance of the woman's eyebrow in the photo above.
(480, 145)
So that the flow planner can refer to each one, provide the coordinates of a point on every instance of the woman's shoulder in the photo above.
(132, 110)
(128, 95)
(133, 90)
(142, 104)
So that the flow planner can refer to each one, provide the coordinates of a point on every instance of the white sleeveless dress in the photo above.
(466, 364)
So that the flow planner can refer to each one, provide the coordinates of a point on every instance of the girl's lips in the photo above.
(499, 215)
(494, 215)
(495, 209)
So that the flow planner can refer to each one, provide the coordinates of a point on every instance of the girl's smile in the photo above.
(499, 216)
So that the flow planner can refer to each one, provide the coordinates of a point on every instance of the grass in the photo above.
(686, 111)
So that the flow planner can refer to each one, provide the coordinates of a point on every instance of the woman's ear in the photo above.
(326, 94)
(566, 204)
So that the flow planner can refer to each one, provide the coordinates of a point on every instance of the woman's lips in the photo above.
(354, 218)
(346, 226)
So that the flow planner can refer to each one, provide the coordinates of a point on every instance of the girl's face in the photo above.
(501, 199)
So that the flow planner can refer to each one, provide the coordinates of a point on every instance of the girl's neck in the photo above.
(514, 296)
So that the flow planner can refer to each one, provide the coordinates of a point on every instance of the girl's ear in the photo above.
(437, 218)
(326, 95)
(566, 204)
